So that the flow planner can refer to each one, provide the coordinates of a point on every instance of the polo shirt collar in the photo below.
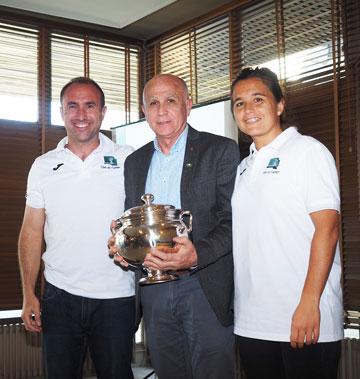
(61, 146)
(278, 142)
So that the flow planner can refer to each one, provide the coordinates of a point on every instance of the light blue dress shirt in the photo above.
(164, 175)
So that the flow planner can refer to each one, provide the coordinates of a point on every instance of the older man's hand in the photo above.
(182, 256)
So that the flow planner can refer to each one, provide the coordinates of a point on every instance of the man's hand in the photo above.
(305, 325)
(31, 314)
(180, 257)
(113, 249)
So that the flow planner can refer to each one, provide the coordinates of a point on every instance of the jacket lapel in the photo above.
(191, 158)
(143, 169)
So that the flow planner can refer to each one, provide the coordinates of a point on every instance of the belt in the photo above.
(187, 271)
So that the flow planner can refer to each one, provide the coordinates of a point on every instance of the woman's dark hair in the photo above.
(268, 77)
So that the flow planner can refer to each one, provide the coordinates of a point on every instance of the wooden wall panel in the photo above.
(19, 147)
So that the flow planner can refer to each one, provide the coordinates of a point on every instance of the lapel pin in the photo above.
(188, 165)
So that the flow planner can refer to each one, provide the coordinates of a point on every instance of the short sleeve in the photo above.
(322, 183)
(34, 194)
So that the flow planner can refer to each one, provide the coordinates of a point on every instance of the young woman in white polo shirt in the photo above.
(288, 301)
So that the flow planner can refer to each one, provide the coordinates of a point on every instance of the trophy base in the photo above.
(159, 278)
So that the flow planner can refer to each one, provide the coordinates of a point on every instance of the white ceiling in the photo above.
(112, 13)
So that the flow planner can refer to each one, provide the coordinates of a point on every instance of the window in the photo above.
(26, 70)
(67, 61)
(18, 73)
(114, 67)
(215, 118)
(201, 57)
(212, 61)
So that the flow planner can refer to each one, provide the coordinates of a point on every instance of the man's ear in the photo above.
(103, 111)
(189, 105)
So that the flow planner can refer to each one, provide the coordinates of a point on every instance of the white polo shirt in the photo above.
(80, 199)
(275, 191)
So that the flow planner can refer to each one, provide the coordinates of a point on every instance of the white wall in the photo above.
(213, 118)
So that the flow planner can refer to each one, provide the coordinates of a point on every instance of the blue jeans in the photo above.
(72, 324)
(185, 338)
(278, 360)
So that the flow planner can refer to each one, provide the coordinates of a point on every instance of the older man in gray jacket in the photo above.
(189, 322)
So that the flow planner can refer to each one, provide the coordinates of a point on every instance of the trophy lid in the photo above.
(150, 213)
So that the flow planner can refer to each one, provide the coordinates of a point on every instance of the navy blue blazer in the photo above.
(207, 182)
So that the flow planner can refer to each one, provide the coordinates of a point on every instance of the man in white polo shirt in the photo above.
(72, 193)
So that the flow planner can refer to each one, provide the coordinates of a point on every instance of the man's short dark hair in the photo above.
(83, 80)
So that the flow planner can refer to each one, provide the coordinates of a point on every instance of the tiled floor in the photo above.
(139, 373)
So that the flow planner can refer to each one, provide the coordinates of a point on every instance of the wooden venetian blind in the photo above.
(257, 40)
(176, 57)
(114, 67)
(309, 69)
(19, 145)
(348, 98)
(296, 43)
(199, 55)
(18, 72)
(212, 60)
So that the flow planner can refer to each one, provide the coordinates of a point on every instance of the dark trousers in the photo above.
(278, 360)
(72, 324)
(185, 338)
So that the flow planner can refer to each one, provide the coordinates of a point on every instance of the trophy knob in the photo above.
(148, 198)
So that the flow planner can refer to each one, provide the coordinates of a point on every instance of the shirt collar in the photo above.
(277, 142)
(61, 146)
(179, 145)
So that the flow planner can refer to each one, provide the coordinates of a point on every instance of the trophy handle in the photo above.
(188, 228)
(118, 225)
(132, 265)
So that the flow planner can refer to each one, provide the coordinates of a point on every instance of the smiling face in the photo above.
(82, 114)
(256, 111)
(166, 105)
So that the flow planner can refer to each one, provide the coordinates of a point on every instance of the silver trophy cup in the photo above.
(149, 226)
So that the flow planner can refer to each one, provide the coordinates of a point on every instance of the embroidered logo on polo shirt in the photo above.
(242, 171)
(58, 166)
(110, 162)
(273, 165)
